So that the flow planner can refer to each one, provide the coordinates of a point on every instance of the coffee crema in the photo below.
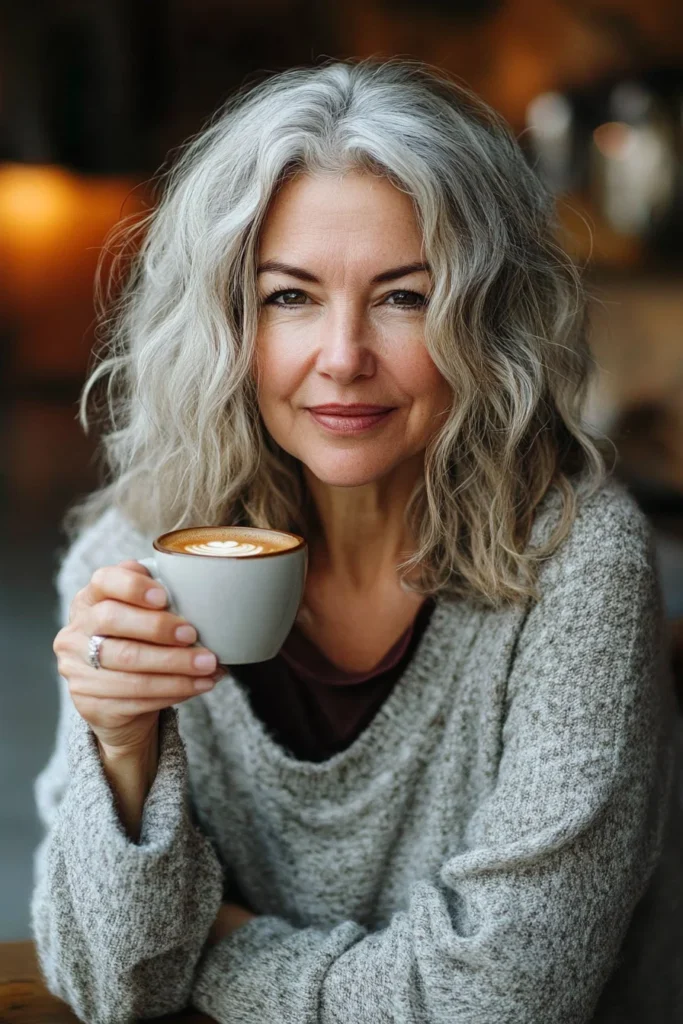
(227, 541)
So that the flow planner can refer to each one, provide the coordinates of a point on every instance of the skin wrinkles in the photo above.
(354, 334)
(305, 275)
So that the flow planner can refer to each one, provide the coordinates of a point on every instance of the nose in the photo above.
(345, 348)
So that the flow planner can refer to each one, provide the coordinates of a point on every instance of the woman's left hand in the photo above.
(230, 917)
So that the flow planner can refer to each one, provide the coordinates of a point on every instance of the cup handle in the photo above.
(151, 565)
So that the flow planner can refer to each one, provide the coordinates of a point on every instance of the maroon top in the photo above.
(315, 709)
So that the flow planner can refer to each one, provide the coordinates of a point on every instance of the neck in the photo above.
(362, 532)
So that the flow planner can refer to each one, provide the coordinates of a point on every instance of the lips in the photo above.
(339, 423)
(355, 409)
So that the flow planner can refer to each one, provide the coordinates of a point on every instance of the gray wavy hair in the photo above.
(182, 439)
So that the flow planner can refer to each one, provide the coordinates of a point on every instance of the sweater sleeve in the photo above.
(119, 926)
(526, 923)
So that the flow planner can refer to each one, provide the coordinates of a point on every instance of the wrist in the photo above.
(117, 755)
(142, 756)
(130, 774)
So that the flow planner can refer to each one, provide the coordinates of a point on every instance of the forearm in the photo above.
(120, 926)
(131, 776)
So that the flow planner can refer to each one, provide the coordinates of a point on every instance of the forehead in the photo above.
(325, 214)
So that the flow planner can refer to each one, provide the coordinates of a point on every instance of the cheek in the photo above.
(432, 398)
(278, 386)
(279, 383)
(282, 367)
(276, 368)
(420, 378)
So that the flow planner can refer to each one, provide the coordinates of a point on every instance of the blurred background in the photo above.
(93, 100)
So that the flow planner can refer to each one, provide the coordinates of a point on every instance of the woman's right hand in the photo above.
(145, 667)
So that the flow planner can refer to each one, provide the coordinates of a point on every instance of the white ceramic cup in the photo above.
(242, 608)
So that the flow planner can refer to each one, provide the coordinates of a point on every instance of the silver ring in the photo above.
(94, 645)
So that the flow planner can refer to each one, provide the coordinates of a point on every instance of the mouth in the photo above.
(350, 423)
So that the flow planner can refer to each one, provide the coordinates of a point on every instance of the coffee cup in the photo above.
(239, 586)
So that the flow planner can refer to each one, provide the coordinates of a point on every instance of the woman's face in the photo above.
(345, 337)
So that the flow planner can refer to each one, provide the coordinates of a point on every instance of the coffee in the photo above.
(243, 599)
(227, 541)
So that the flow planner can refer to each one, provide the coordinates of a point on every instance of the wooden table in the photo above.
(25, 1000)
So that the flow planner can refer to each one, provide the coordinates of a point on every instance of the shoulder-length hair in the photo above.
(182, 438)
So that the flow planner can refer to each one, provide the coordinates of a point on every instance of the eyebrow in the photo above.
(306, 275)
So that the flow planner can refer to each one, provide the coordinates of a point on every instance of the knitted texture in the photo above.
(502, 844)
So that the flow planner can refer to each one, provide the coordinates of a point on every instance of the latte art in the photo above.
(231, 548)
(228, 541)
(239, 586)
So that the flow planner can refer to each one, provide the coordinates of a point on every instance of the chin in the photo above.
(346, 476)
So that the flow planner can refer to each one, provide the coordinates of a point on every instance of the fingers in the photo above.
(118, 687)
(114, 618)
(100, 712)
(126, 655)
(146, 660)
(129, 582)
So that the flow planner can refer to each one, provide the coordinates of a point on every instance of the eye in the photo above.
(421, 300)
(288, 292)
(288, 297)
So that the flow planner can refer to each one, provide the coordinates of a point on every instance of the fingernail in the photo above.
(156, 597)
(205, 660)
(186, 634)
(204, 684)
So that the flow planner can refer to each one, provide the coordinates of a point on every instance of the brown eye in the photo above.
(411, 304)
(286, 294)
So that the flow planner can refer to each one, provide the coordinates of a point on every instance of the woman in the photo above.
(446, 799)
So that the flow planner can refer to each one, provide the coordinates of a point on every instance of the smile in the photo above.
(339, 424)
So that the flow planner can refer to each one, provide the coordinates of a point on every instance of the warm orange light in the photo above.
(36, 201)
(53, 224)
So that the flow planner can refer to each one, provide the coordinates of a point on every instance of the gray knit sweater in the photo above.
(501, 844)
